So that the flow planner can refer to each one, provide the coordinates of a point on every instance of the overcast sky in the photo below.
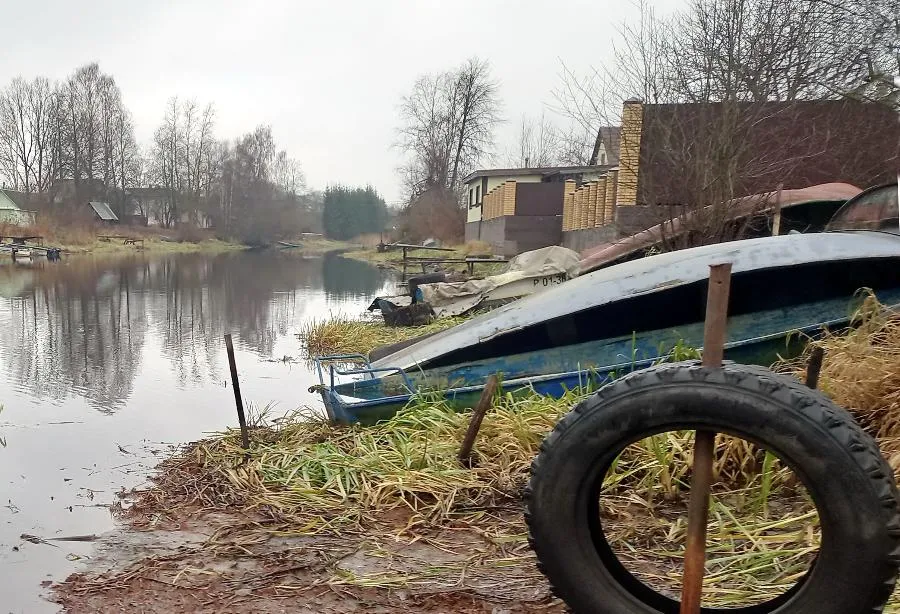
(327, 75)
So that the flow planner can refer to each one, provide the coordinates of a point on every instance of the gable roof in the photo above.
(611, 137)
(6, 202)
(103, 211)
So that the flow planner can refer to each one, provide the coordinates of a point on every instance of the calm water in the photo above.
(106, 363)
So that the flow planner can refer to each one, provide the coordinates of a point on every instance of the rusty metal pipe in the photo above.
(704, 445)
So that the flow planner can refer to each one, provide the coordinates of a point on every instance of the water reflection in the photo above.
(82, 325)
(345, 278)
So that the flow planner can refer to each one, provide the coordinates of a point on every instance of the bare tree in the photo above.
(539, 143)
(743, 65)
(448, 124)
(287, 174)
(43, 106)
(16, 139)
(27, 135)
(474, 113)
(165, 157)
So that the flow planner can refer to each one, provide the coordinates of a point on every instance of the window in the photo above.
(478, 195)
(471, 198)
(874, 209)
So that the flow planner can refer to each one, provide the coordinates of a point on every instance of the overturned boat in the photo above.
(629, 315)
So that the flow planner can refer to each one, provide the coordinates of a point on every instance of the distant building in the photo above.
(520, 209)
(608, 152)
(10, 210)
(664, 148)
(104, 212)
(151, 202)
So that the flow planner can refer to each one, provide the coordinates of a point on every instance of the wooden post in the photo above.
(776, 216)
(242, 420)
(814, 367)
(484, 404)
(704, 445)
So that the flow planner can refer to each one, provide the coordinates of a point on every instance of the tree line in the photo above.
(75, 129)
(78, 133)
(350, 212)
(246, 188)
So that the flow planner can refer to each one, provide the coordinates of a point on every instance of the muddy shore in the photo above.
(211, 563)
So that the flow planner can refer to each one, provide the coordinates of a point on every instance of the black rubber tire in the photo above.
(839, 464)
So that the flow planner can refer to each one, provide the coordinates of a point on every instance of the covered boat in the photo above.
(527, 273)
(627, 316)
(803, 209)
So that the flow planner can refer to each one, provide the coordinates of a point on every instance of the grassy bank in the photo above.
(398, 483)
(81, 238)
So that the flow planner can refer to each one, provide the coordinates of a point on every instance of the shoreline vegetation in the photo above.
(343, 517)
(92, 239)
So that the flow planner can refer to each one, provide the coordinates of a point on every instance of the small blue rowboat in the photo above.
(628, 316)
(353, 390)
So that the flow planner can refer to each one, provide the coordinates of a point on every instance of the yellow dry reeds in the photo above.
(307, 476)
(861, 372)
(344, 335)
(317, 476)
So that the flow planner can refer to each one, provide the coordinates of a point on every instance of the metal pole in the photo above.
(704, 445)
(245, 437)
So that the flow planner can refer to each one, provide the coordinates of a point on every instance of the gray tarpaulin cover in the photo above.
(455, 298)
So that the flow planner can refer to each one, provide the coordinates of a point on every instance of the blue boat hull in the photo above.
(754, 338)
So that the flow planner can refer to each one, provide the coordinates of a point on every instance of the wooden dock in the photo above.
(26, 246)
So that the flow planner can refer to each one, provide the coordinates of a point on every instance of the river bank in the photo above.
(124, 240)
(325, 518)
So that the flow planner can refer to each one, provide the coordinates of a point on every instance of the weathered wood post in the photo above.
(814, 367)
(236, 385)
(484, 404)
(776, 216)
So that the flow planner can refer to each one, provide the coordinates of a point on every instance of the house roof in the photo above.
(611, 137)
(537, 170)
(103, 211)
(6, 201)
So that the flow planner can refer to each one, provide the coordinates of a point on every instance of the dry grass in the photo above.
(318, 476)
(307, 477)
(81, 236)
(861, 372)
(55, 232)
(344, 335)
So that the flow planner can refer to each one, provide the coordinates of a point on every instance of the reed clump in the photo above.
(345, 335)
